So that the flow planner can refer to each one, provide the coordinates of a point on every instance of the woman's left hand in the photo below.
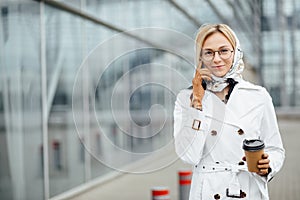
(263, 165)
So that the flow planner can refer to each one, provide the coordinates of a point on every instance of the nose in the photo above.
(217, 57)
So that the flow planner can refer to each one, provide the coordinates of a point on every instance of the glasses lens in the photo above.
(208, 55)
(225, 53)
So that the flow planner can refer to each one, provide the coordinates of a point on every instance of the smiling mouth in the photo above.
(217, 67)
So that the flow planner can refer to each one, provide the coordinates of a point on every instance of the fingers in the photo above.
(263, 165)
(204, 73)
(263, 172)
(265, 156)
(206, 78)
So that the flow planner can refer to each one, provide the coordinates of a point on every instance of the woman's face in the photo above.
(218, 66)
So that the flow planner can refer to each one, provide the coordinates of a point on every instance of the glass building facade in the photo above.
(87, 87)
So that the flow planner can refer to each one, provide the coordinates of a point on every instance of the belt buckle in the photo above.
(196, 124)
(242, 194)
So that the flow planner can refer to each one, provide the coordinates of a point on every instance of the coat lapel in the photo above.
(240, 104)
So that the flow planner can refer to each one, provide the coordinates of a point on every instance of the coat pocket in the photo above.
(214, 185)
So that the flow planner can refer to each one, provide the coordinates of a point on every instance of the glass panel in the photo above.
(280, 47)
(20, 110)
(64, 53)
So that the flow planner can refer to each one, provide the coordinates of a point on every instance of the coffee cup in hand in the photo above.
(254, 149)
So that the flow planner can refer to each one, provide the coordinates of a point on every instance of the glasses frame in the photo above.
(219, 52)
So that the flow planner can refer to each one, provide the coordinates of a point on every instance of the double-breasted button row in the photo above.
(214, 132)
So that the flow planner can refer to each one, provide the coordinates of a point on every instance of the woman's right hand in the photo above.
(198, 90)
(204, 73)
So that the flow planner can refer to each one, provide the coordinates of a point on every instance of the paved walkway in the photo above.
(285, 186)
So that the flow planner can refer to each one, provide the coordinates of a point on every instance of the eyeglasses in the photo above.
(208, 55)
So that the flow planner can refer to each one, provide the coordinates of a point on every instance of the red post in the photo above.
(185, 180)
(160, 193)
(56, 145)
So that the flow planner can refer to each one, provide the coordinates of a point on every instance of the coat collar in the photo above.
(235, 108)
(247, 85)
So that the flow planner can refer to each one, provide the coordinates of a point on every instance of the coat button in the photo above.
(213, 132)
(240, 132)
(241, 163)
(217, 196)
(243, 194)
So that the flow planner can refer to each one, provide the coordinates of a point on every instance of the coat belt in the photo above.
(214, 167)
(233, 168)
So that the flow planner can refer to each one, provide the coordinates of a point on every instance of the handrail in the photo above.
(183, 11)
(96, 20)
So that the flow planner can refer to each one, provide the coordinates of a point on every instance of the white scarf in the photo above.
(219, 83)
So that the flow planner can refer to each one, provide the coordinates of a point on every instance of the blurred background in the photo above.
(87, 87)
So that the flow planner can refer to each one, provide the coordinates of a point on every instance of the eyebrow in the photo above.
(227, 46)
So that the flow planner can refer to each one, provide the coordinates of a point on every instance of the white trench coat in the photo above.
(211, 140)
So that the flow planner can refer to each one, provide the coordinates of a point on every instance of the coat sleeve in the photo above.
(271, 136)
(189, 142)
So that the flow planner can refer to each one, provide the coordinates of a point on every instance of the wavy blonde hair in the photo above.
(207, 30)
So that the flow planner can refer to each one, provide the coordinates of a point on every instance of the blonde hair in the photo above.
(207, 30)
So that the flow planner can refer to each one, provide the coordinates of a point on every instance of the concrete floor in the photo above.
(286, 185)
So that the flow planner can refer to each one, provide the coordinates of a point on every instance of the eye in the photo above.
(224, 51)
(208, 53)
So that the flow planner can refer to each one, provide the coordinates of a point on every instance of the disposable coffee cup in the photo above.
(254, 149)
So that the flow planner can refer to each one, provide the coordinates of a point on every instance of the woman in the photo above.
(232, 110)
